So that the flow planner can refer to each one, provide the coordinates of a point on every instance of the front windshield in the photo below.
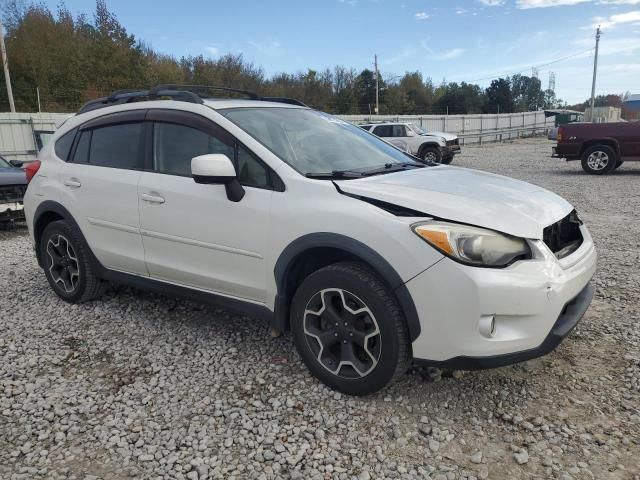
(4, 163)
(417, 129)
(313, 142)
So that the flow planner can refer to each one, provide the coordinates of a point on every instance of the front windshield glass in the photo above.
(4, 163)
(313, 142)
(417, 129)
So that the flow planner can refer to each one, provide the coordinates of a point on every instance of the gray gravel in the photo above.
(143, 386)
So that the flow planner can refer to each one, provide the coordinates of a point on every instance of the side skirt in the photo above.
(235, 305)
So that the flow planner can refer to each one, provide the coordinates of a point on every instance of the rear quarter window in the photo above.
(64, 143)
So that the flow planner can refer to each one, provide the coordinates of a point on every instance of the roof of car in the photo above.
(223, 103)
(383, 123)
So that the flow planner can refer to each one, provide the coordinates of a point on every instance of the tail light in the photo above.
(560, 134)
(32, 169)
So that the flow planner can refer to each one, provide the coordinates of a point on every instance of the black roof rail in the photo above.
(127, 96)
(248, 93)
(178, 87)
(290, 101)
(177, 92)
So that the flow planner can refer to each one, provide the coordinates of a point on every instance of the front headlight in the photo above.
(473, 245)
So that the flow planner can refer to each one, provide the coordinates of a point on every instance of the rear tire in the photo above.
(599, 160)
(66, 264)
(349, 329)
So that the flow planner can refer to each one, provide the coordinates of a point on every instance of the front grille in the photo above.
(451, 143)
(12, 193)
(564, 237)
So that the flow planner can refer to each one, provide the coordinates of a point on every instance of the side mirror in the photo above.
(217, 168)
(410, 133)
(16, 163)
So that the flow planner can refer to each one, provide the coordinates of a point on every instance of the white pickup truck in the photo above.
(439, 147)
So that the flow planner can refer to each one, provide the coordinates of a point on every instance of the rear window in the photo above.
(64, 143)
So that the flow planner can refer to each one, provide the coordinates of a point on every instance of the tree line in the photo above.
(69, 60)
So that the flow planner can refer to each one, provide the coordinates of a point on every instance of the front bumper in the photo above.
(534, 304)
(568, 319)
(451, 150)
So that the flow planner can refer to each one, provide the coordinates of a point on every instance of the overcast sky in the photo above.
(466, 40)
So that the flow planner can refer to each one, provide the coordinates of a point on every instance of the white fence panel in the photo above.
(471, 128)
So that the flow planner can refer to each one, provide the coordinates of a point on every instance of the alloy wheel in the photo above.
(431, 157)
(342, 333)
(598, 160)
(63, 263)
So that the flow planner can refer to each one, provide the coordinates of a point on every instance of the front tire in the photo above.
(66, 264)
(599, 160)
(431, 154)
(349, 329)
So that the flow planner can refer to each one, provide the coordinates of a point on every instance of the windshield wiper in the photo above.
(392, 167)
(334, 174)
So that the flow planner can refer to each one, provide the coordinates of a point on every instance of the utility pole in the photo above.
(5, 64)
(375, 63)
(38, 94)
(595, 71)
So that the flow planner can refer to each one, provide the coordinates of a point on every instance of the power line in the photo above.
(494, 76)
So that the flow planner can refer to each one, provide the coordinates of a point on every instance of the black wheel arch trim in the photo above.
(48, 207)
(351, 246)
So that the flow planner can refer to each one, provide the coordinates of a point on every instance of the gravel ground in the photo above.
(143, 386)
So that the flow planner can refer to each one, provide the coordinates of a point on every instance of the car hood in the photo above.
(447, 136)
(12, 176)
(466, 196)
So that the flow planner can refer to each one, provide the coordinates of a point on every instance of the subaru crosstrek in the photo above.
(372, 258)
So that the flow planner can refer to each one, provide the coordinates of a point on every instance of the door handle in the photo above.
(72, 183)
(152, 198)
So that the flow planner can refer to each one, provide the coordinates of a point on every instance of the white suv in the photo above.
(439, 147)
(370, 258)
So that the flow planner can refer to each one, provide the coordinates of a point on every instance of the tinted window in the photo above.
(81, 155)
(117, 146)
(383, 131)
(175, 145)
(251, 171)
(63, 145)
(398, 131)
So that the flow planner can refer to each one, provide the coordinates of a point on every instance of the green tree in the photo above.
(498, 97)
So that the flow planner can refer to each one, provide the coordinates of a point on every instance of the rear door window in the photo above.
(383, 131)
(117, 146)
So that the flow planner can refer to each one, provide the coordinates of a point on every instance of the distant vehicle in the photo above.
(13, 184)
(438, 147)
(562, 117)
(602, 147)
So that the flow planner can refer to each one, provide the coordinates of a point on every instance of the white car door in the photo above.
(100, 188)
(193, 235)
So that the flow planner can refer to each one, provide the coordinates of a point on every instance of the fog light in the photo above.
(487, 326)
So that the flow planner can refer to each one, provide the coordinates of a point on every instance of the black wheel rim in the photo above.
(63, 263)
(342, 333)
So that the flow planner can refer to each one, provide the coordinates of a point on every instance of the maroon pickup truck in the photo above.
(602, 147)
